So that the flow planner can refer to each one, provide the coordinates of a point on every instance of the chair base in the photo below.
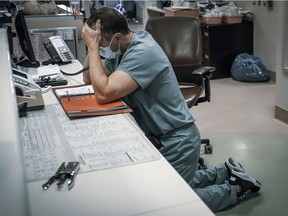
(208, 150)
(208, 146)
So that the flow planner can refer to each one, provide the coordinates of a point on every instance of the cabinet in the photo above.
(222, 43)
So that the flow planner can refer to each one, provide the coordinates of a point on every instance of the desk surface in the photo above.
(150, 188)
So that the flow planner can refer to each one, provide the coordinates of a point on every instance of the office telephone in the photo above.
(27, 91)
(25, 80)
(58, 50)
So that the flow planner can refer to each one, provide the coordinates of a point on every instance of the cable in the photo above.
(76, 73)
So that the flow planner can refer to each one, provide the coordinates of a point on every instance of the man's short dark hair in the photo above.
(112, 21)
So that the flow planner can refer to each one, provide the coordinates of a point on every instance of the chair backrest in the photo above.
(180, 38)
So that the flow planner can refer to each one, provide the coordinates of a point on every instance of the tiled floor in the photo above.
(240, 123)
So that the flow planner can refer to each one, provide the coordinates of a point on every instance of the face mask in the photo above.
(107, 53)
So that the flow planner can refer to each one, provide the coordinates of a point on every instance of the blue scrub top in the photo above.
(158, 105)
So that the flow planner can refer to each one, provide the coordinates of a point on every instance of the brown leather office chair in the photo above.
(180, 38)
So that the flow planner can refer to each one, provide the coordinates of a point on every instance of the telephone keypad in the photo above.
(67, 56)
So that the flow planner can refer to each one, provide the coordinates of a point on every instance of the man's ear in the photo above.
(118, 36)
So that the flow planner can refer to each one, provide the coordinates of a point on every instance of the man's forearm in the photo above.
(98, 76)
(86, 74)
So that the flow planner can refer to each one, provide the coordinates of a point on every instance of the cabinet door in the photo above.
(222, 43)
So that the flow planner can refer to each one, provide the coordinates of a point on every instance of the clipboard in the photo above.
(77, 105)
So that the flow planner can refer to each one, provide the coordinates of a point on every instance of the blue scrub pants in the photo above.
(181, 148)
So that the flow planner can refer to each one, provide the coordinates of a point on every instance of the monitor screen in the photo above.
(25, 42)
(162, 4)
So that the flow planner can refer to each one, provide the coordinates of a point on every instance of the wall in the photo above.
(270, 31)
(281, 107)
(265, 31)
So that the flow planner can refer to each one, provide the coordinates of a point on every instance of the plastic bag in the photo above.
(37, 7)
(249, 68)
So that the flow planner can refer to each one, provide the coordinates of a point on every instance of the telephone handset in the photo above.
(25, 80)
(24, 86)
(58, 50)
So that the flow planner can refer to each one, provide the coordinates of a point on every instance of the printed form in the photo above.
(49, 138)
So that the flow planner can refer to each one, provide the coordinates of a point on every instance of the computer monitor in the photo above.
(25, 42)
(162, 4)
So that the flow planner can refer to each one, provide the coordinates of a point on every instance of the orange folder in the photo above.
(86, 105)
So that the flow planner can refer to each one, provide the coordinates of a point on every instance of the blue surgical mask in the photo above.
(107, 53)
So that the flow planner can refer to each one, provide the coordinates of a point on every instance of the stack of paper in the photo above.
(49, 75)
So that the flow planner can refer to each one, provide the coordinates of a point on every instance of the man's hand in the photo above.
(92, 37)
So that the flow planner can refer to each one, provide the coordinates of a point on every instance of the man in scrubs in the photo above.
(137, 71)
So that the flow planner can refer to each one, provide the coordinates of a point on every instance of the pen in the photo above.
(68, 96)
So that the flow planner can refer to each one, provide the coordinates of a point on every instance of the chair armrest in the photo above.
(204, 71)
